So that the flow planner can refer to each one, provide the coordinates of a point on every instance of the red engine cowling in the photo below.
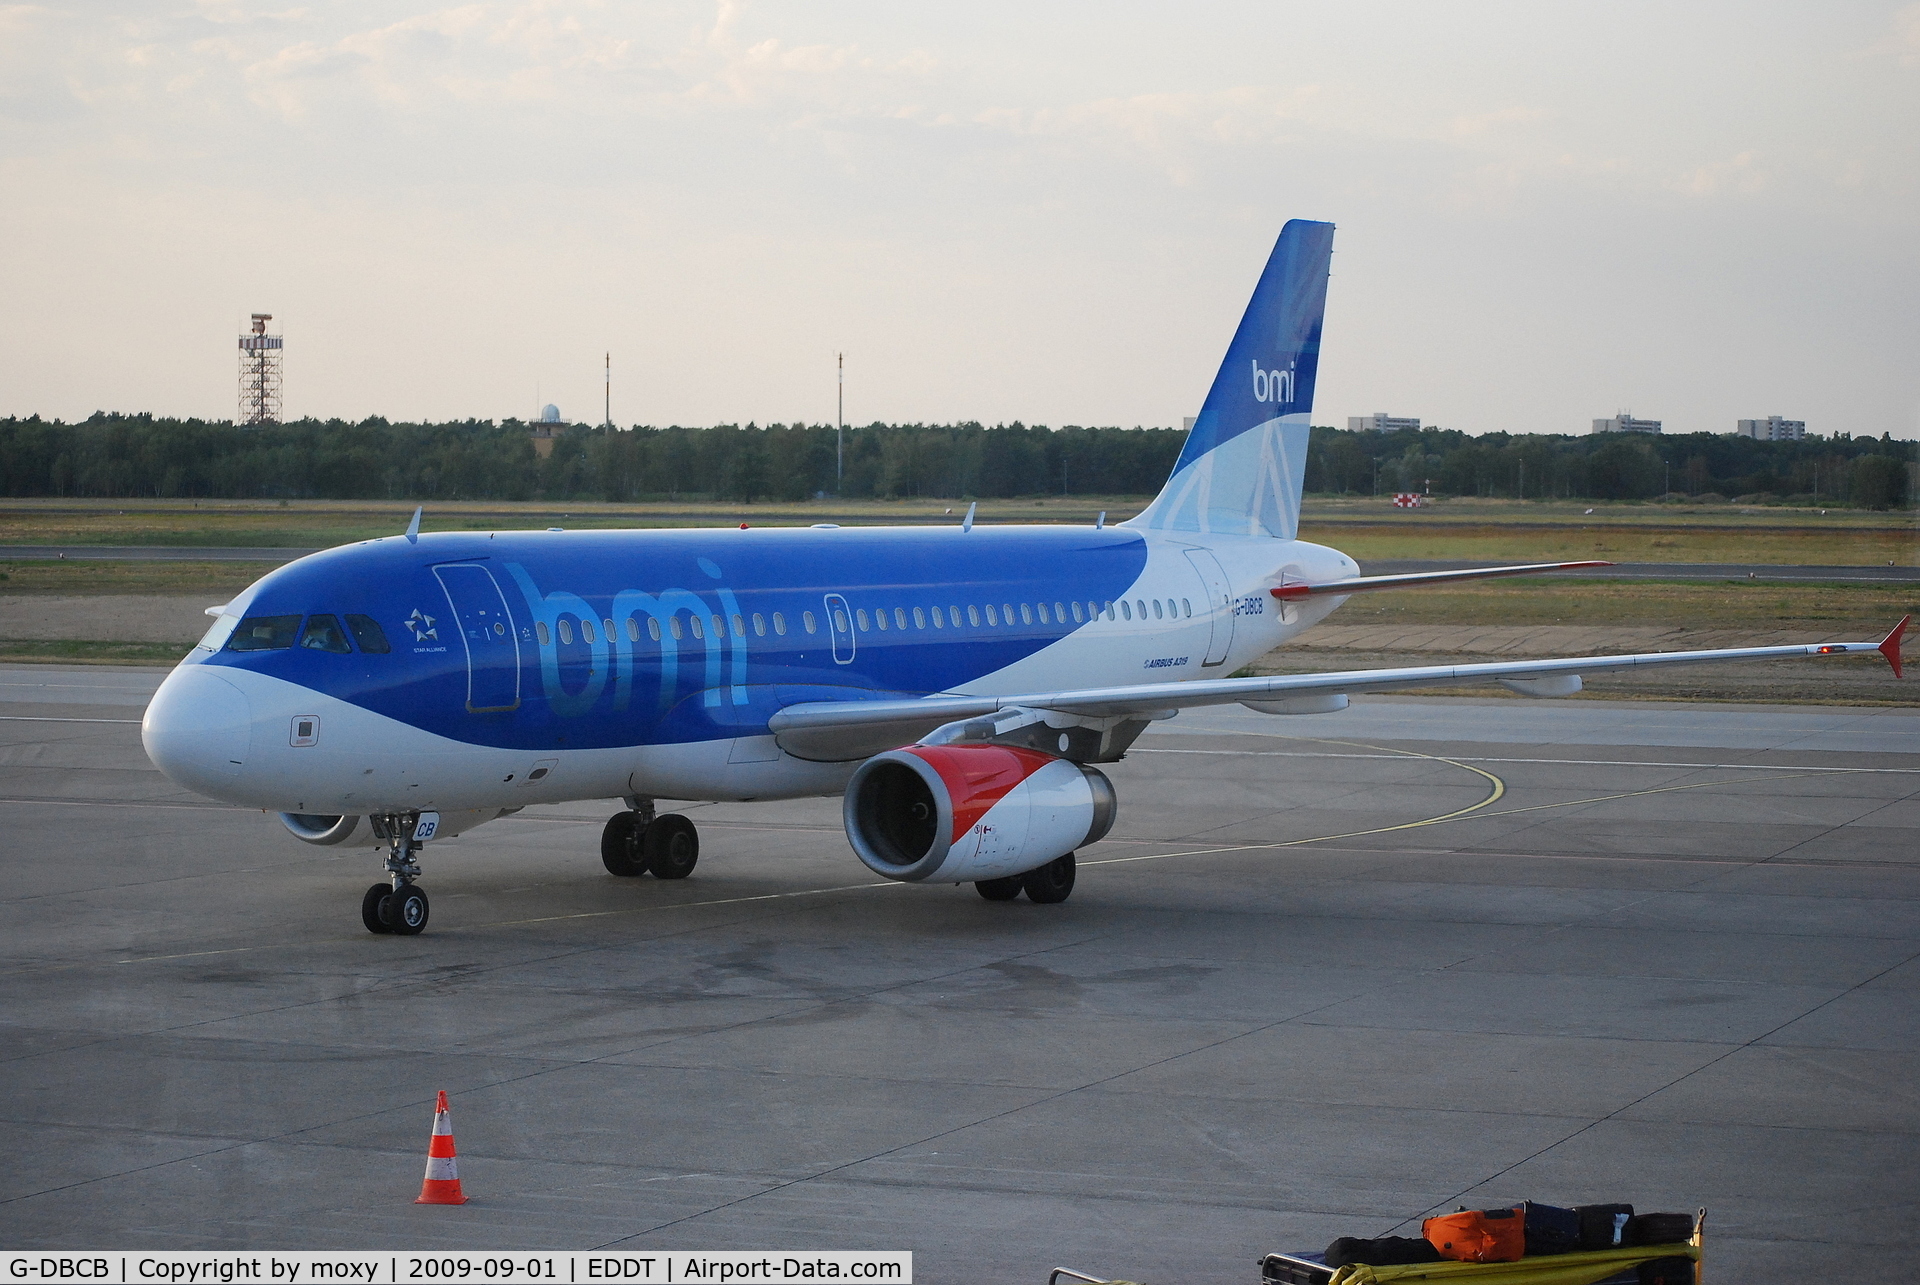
(962, 813)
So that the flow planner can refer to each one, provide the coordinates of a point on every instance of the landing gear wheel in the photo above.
(672, 846)
(370, 906)
(405, 911)
(1052, 882)
(620, 845)
(1000, 889)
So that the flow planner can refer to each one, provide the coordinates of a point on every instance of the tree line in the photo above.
(132, 456)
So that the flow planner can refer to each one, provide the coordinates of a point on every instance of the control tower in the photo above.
(260, 373)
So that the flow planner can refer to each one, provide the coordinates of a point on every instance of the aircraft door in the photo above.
(1219, 604)
(840, 629)
(486, 629)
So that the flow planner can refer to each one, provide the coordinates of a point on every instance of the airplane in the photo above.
(956, 685)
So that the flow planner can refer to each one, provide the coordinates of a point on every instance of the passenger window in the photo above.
(1093, 610)
(699, 630)
(739, 626)
(840, 621)
(1188, 605)
(973, 615)
(719, 627)
(759, 625)
(1006, 610)
(992, 619)
(323, 633)
(540, 627)
(806, 618)
(673, 623)
(1060, 613)
(861, 616)
(900, 617)
(780, 624)
(1078, 616)
(1126, 610)
(264, 633)
(368, 633)
(633, 630)
(586, 632)
(566, 630)
(919, 618)
(1156, 610)
(653, 628)
(880, 617)
(1026, 613)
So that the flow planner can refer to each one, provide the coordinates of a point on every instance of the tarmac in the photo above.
(1327, 975)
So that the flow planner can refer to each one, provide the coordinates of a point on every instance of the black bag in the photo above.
(1667, 1271)
(1659, 1229)
(1386, 1251)
(1605, 1226)
(1551, 1229)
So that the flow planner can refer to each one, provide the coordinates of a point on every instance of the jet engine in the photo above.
(966, 813)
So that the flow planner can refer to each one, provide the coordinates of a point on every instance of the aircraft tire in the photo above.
(1000, 889)
(405, 912)
(370, 908)
(1051, 883)
(620, 845)
(671, 846)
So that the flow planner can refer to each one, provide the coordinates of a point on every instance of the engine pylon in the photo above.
(442, 1183)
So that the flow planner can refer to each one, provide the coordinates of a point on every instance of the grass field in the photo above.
(1367, 529)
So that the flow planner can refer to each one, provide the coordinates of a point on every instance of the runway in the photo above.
(1328, 974)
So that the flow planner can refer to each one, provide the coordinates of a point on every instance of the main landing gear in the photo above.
(1048, 885)
(637, 842)
(400, 905)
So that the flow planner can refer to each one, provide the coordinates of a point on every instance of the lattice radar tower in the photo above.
(260, 373)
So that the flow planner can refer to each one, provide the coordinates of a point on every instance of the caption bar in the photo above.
(894, 1267)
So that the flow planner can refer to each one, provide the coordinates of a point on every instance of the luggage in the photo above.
(1550, 1229)
(1659, 1229)
(1667, 1271)
(1604, 1226)
(1384, 1251)
(1479, 1235)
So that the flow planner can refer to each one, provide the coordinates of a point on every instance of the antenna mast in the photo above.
(840, 427)
(609, 419)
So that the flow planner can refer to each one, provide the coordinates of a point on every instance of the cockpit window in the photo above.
(216, 637)
(264, 633)
(368, 633)
(323, 633)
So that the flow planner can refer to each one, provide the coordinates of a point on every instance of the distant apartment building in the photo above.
(1381, 422)
(1772, 429)
(1625, 423)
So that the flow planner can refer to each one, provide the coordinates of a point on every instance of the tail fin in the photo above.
(1245, 462)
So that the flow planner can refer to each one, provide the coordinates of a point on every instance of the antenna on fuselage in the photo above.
(966, 523)
(413, 527)
(1100, 523)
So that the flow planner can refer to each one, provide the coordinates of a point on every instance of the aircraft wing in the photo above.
(844, 730)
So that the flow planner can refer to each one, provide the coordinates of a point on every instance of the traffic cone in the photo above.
(442, 1184)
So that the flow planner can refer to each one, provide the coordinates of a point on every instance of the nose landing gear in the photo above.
(398, 906)
(637, 842)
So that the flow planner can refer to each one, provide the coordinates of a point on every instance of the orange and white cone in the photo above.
(442, 1185)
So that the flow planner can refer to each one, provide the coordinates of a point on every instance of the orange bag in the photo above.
(1479, 1235)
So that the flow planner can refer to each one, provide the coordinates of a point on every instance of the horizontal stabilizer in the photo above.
(1413, 579)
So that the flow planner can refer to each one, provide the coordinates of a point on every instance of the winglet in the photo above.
(1890, 645)
(413, 527)
(966, 523)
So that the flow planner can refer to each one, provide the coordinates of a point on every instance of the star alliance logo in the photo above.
(422, 625)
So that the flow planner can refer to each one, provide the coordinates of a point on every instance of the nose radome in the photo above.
(198, 729)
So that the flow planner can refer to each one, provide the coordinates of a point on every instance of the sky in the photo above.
(1052, 213)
